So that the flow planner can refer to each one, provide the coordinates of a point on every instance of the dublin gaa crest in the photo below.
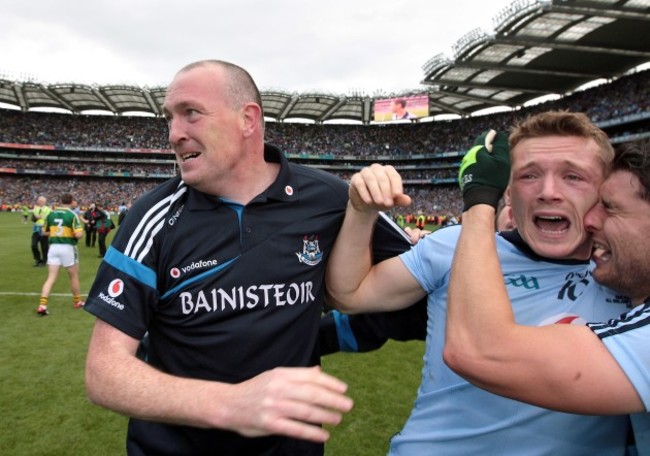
(311, 253)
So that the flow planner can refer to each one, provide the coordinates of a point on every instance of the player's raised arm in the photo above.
(353, 283)
(476, 273)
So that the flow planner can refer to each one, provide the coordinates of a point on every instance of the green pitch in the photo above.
(44, 409)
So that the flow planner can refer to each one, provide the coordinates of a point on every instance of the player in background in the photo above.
(63, 228)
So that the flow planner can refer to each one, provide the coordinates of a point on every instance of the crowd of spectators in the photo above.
(17, 190)
(86, 131)
(426, 153)
(92, 168)
(624, 96)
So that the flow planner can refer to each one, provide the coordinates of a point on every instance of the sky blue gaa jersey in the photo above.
(453, 417)
(627, 338)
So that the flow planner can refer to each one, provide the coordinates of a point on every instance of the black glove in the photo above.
(485, 170)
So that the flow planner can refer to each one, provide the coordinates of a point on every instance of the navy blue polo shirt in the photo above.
(225, 291)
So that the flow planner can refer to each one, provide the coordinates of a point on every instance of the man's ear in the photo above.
(506, 196)
(251, 118)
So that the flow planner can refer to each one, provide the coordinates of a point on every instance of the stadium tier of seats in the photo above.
(116, 159)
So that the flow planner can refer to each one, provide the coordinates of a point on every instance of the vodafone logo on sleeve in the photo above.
(115, 288)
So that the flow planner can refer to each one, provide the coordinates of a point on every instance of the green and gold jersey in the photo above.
(62, 224)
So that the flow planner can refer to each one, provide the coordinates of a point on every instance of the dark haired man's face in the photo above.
(620, 223)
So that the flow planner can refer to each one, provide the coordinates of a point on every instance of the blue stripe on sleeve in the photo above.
(347, 341)
(131, 267)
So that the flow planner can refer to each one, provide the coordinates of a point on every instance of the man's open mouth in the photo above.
(552, 224)
(600, 252)
(190, 156)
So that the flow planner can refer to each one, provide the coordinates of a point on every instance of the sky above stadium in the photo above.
(339, 46)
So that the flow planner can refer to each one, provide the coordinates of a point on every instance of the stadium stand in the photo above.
(116, 159)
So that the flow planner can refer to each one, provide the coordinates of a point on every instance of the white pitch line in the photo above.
(17, 293)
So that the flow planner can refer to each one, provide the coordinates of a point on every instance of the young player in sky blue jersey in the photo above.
(547, 273)
(600, 368)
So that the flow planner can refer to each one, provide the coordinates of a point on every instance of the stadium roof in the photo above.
(540, 48)
(537, 48)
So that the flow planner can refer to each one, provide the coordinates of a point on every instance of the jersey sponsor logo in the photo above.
(200, 264)
(529, 283)
(564, 318)
(311, 253)
(241, 298)
(115, 288)
(575, 283)
(111, 301)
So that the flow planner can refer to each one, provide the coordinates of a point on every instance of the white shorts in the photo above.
(65, 255)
